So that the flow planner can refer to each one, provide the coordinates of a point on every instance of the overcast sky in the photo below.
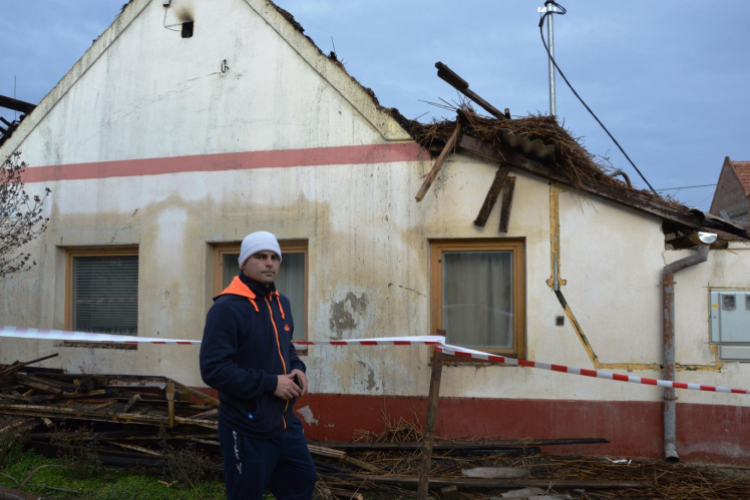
(669, 79)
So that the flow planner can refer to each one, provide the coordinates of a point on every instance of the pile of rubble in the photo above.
(143, 421)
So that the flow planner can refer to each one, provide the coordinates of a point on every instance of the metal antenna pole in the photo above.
(549, 6)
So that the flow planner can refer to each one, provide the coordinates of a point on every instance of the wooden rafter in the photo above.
(449, 146)
(505, 206)
(492, 195)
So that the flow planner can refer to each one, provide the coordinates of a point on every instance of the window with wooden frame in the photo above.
(478, 294)
(291, 280)
(101, 291)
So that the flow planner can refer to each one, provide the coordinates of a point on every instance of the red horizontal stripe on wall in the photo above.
(340, 155)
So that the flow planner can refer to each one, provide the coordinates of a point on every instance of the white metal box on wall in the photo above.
(730, 323)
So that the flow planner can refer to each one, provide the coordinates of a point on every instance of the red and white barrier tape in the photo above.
(108, 338)
(470, 353)
(437, 341)
(419, 340)
(105, 338)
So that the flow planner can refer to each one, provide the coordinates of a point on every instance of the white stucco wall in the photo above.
(152, 94)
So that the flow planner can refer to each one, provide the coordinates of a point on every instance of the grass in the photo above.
(102, 483)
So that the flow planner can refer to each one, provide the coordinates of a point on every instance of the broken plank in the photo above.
(340, 455)
(326, 452)
(360, 463)
(56, 411)
(118, 436)
(15, 367)
(491, 484)
(208, 413)
(206, 441)
(41, 385)
(202, 423)
(131, 402)
(454, 445)
(198, 394)
(135, 448)
(170, 402)
(88, 414)
(449, 146)
(105, 405)
(505, 206)
(491, 198)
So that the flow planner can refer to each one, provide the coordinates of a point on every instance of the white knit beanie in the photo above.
(258, 242)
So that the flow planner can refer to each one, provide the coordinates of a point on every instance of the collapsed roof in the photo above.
(540, 146)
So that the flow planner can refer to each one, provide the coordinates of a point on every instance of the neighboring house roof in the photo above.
(742, 169)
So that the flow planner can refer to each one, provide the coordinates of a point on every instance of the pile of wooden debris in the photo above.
(156, 422)
(129, 418)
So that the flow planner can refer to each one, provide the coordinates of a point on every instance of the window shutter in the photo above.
(105, 294)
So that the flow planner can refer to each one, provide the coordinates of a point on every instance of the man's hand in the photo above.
(302, 379)
(287, 388)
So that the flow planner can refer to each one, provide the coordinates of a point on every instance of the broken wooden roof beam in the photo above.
(449, 146)
(492, 194)
(16, 105)
(458, 83)
(506, 204)
(17, 366)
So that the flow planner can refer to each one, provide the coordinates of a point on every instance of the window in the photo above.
(291, 280)
(478, 294)
(102, 291)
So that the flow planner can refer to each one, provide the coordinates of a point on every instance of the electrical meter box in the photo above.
(730, 323)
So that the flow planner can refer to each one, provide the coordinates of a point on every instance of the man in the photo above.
(248, 357)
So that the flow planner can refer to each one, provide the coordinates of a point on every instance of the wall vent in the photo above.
(187, 29)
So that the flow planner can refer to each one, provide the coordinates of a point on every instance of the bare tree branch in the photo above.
(21, 219)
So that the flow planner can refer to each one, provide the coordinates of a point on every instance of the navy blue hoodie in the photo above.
(246, 345)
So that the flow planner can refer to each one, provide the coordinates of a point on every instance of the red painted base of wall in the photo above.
(709, 433)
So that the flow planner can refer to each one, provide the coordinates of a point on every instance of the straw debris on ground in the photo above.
(662, 480)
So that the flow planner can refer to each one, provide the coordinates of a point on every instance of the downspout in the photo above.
(668, 319)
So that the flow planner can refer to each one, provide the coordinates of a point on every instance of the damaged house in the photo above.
(164, 147)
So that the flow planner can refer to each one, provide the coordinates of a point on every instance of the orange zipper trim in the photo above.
(278, 346)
